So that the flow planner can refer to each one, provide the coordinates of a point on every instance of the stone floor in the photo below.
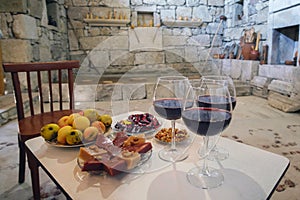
(254, 123)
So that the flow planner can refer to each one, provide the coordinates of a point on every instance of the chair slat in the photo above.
(50, 90)
(40, 91)
(71, 88)
(29, 91)
(60, 89)
(18, 95)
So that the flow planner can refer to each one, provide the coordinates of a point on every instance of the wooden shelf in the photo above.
(182, 23)
(107, 22)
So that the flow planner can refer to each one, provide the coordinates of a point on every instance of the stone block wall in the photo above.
(138, 49)
(26, 30)
(28, 35)
(113, 50)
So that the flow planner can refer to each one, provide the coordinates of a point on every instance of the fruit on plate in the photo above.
(90, 133)
(62, 134)
(72, 117)
(49, 131)
(99, 125)
(91, 114)
(81, 123)
(74, 137)
(106, 120)
(83, 126)
(63, 121)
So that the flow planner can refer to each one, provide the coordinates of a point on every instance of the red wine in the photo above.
(220, 102)
(168, 108)
(206, 121)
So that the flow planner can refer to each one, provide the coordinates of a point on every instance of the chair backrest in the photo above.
(42, 71)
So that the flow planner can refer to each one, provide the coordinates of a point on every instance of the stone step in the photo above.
(242, 88)
(8, 109)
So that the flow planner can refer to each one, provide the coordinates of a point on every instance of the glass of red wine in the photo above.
(168, 100)
(208, 117)
(219, 153)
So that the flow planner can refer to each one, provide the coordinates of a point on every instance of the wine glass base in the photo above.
(217, 153)
(211, 178)
(172, 155)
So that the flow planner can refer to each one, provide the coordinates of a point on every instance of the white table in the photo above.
(250, 173)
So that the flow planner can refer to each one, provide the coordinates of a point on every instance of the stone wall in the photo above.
(32, 31)
(27, 34)
(135, 41)
(145, 48)
(284, 32)
(110, 51)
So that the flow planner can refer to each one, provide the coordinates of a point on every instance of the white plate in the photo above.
(147, 133)
(55, 144)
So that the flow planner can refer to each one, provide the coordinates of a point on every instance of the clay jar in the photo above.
(246, 50)
(254, 55)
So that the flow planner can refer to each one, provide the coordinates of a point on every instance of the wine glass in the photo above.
(228, 81)
(169, 95)
(219, 153)
(208, 117)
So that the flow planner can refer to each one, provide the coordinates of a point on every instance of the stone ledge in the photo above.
(260, 85)
(261, 81)
(282, 87)
(284, 103)
(242, 88)
(260, 92)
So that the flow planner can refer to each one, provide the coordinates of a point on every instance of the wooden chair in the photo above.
(30, 123)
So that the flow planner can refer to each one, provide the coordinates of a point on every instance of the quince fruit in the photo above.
(81, 123)
(74, 137)
(99, 125)
(106, 120)
(72, 117)
(92, 114)
(90, 133)
(49, 131)
(63, 121)
(62, 134)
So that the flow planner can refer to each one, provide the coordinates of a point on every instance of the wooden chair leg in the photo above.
(35, 179)
(22, 161)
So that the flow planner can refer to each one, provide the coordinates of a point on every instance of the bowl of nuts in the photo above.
(164, 135)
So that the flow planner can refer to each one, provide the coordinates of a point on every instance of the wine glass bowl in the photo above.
(169, 95)
(208, 116)
(228, 82)
(206, 121)
(168, 108)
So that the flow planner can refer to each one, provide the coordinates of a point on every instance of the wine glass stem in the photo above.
(205, 167)
(173, 140)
